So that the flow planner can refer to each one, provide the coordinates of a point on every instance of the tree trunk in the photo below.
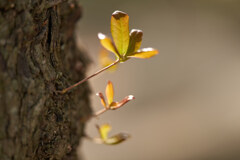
(38, 56)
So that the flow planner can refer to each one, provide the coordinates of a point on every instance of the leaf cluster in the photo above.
(125, 45)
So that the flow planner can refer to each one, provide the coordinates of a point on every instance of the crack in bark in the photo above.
(49, 36)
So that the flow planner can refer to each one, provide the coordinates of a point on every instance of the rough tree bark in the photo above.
(38, 56)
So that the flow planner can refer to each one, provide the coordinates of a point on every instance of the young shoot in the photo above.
(105, 139)
(110, 104)
(125, 45)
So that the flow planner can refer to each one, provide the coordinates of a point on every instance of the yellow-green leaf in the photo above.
(104, 130)
(105, 60)
(120, 31)
(109, 92)
(144, 53)
(135, 41)
(107, 43)
(116, 139)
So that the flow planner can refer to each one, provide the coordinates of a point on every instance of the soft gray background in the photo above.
(187, 104)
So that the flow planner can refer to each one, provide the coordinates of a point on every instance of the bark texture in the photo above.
(38, 55)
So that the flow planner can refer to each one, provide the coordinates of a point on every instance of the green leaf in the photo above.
(120, 31)
(144, 53)
(116, 139)
(107, 43)
(104, 130)
(135, 41)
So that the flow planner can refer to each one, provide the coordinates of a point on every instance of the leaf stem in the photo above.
(100, 112)
(87, 78)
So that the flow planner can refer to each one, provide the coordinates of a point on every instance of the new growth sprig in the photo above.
(105, 139)
(111, 105)
(125, 45)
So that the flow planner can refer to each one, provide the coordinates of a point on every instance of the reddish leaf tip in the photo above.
(138, 33)
(118, 14)
(126, 135)
(136, 30)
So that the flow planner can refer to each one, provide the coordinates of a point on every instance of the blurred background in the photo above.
(187, 104)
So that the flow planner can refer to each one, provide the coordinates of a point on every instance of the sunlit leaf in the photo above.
(105, 60)
(116, 105)
(144, 53)
(104, 130)
(120, 31)
(102, 99)
(135, 41)
(109, 92)
(107, 43)
(116, 139)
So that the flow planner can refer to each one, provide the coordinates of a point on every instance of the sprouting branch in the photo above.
(87, 78)
(100, 112)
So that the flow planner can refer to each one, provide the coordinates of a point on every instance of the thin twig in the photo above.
(87, 78)
(100, 112)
